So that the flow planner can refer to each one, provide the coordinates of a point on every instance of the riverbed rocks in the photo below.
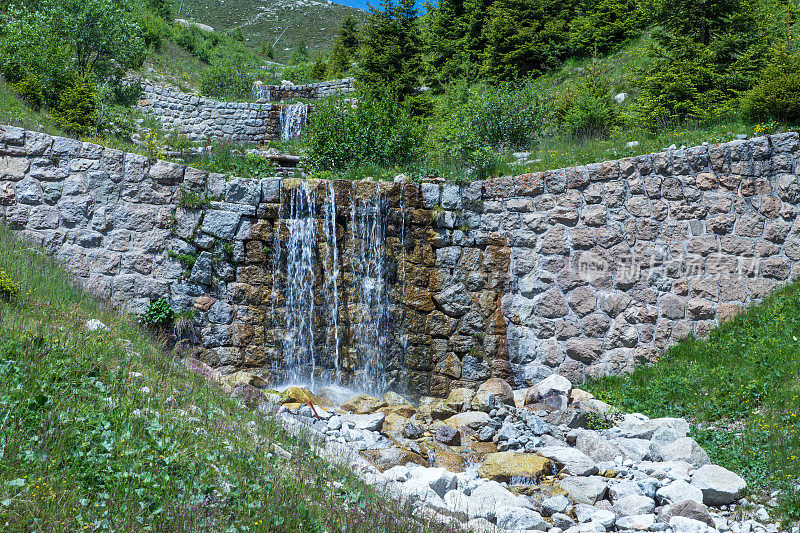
(492, 465)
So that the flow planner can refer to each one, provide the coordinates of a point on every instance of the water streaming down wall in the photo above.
(337, 327)
(293, 117)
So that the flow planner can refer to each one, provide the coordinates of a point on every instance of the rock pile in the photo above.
(549, 458)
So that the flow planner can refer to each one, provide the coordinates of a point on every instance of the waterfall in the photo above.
(331, 288)
(293, 116)
(306, 255)
(298, 345)
(371, 320)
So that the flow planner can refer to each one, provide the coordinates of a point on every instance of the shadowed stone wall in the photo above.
(584, 271)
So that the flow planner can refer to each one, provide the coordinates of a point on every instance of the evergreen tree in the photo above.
(526, 37)
(267, 50)
(391, 53)
(300, 54)
(348, 35)
(339, 62)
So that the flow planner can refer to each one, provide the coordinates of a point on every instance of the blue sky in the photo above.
(362, 4)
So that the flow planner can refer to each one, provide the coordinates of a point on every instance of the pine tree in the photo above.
(348, 35)
(339, 62)
(391, 51)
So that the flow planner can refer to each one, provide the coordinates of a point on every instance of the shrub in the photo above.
(588, 109)
(159, 313)
(378, 130)
(76, 108)
(226, 80)
(8, 287)
(777, 94)
(476, 124)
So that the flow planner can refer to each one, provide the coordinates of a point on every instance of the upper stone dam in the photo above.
(420, 287)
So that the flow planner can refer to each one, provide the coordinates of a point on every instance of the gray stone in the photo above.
(243, 191)
(554, 504)
(202, 269)
(572, 461)
(718, 485)
(634, 505)
(589, 513)
(455, 300)
(587, 490)
(691, 509)
(448, 435)
(520, 518)
(678, 491)
(685, 449)
(640, 522)
(412, 431)
(221, 224)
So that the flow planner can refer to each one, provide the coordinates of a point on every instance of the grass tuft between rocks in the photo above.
(104, 431)
(740, 389)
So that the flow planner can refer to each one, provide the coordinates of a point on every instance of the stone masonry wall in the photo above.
(200, 118)
(585, 271)
(311, 90)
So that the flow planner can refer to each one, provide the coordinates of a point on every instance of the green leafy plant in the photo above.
(188, 260)
(777, 94)
(191, 200)
(159, 313)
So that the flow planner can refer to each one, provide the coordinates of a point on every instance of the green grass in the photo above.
(84, 447)
(740, 388)
(14, 112)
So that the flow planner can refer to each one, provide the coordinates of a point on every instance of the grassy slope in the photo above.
(83, 446)
(740, 388)
(314, 21)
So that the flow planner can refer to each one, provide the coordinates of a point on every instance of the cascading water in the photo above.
(306, 255)
(371, 321)
(293, 116)
(298, 344)
(331, 288)
(262, 92)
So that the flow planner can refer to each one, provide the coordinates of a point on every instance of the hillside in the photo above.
(103, 430)
(314, 21)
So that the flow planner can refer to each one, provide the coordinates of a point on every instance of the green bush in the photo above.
(378, 130)
(226, 80)
(76, 108)
(195, 41)
(777, 94)
(476, 124)
(159, 313)
(588, 109)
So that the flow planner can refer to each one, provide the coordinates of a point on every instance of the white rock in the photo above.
(640, 522)
(685, 449)
(589, 513)
(520, 518)
(718, 485)
(586, 490)
(678, 491)
(438, 479)
(620, 97)
(398, 473)
(555, 504)
(632, 144)
(634, 505)
(95, 325)
(459, 503)
(573, 461)
(371, 422)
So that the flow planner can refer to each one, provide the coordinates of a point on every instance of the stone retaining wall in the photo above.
(583, 271)
(201, 119)
(310, 90)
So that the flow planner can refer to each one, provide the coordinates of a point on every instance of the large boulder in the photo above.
(363, 404)
(404, 410)
(691, 509)
(502, 466)
(371, 422)
(492, 387)
(554, 390)
(385, 458)
(301, 395)
(392, 398)
(459, 399)
(719, 485)
(448, 435)
(634, 505)
(678, 491)
(685, 449)
(589, 490)
(639, 522)
(573, 462)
